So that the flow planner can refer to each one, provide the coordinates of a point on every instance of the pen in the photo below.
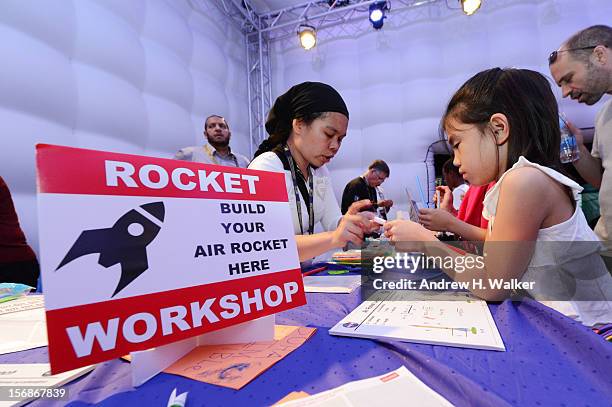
(425, 202)
(313, 271)
(603, 329)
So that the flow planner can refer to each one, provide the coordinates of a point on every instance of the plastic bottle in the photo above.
(569, 148)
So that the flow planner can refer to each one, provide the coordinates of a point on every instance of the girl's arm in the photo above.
(467, 231)
(442, 221)
(525, 200)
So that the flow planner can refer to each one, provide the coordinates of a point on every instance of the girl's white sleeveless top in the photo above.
(568, 271)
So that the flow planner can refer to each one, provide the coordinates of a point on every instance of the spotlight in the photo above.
(377, 13)
(470, 6)
(308, 36)
(339, 3)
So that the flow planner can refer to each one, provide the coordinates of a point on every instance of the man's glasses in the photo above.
(553, 55)
(381, 178)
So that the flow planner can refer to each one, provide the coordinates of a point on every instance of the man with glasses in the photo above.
(582, 67)
(217, 149)
(367, 186)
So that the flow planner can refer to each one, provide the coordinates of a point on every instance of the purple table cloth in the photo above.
(550, 360)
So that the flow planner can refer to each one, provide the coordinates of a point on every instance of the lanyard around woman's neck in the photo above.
(310, 194)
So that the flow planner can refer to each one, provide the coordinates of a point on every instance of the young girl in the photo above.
(503, 126)
(307, 125)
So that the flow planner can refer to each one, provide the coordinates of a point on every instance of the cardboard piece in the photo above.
(294, 395)
(148, 363)
(234, 366)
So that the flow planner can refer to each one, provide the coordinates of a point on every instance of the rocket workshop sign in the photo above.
(138, 252)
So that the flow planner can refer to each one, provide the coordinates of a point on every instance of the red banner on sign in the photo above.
(93, 333)
(67, 170)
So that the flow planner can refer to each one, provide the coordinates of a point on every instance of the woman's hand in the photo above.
(358, 206)
(438, 220)
(351, 228)
(387, 203)
(446, 198)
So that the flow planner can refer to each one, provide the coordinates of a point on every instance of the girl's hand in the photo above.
(405, 230)
(446, 198)
(438, 220)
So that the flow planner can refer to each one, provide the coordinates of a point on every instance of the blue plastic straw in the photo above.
(418, 181)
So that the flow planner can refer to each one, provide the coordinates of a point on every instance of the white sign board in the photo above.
(138, 252)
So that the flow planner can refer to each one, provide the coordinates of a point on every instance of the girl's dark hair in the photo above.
(525, 98)
(281, 133)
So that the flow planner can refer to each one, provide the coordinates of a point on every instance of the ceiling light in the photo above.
(470, 6)
(308, 36)
(377, 14)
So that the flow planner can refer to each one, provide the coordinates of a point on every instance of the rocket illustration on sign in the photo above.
(125, 242)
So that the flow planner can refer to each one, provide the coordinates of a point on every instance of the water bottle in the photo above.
(569, 148)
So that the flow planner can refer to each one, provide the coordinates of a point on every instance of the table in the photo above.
(550, 360)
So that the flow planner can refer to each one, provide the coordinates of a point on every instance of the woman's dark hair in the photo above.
(525, 98)
(306, 101)
(281, 133)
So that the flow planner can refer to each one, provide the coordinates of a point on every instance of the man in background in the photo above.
(216, 150)
(367, 186)
(582, 67)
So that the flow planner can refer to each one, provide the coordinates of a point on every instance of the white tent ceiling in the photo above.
(397, 80)
(264, 6)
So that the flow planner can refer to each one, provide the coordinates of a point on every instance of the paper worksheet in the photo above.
(397, 388)
(437, 318)
(34, 380)
(22, 324)
(331, 284)
(25, 303)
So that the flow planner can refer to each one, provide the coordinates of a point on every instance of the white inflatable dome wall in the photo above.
(134, 76)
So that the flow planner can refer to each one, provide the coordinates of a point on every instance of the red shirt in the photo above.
(471, 207)
(13, 245)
